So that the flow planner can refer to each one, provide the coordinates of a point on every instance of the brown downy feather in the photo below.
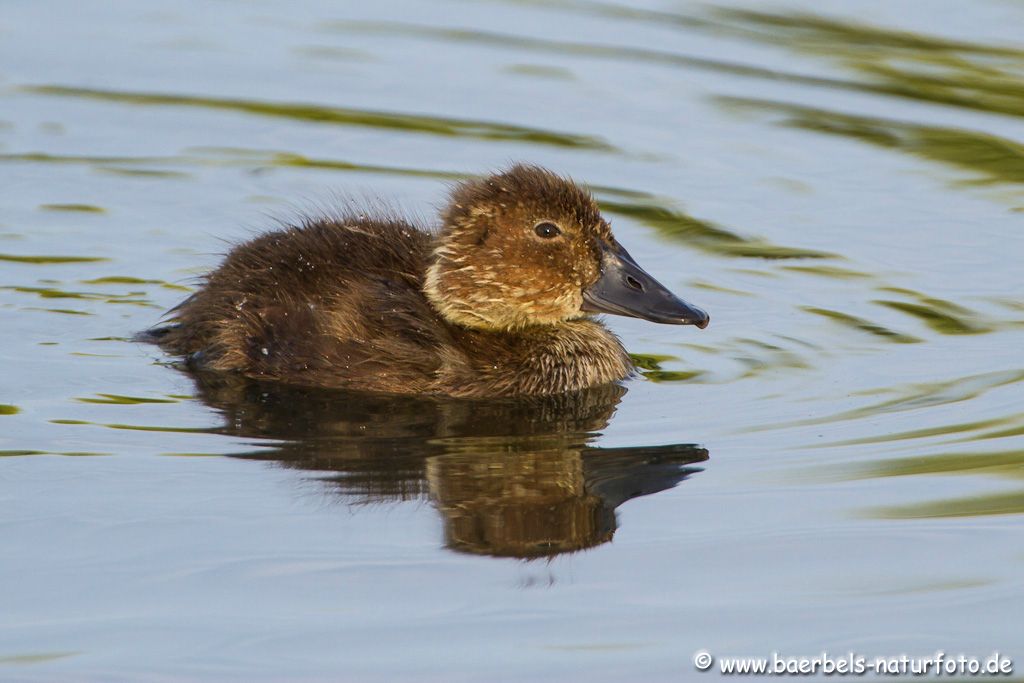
(378, 304)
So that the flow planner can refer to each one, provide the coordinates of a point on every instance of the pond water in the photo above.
(836, 463)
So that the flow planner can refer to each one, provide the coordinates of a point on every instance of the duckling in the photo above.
(498, 302)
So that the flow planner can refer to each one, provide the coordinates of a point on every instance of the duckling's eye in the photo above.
(547, 230)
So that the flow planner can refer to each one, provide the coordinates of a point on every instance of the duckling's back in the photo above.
(330, 302)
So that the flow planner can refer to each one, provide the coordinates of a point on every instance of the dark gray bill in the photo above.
(624, 288)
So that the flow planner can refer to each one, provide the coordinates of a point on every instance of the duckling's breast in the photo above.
(541, 360)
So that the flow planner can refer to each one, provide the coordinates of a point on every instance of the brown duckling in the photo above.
(497, 303)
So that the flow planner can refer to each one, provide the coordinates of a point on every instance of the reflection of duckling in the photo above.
(510, 477)
(546, 501)
(519, 504)
(496, 304)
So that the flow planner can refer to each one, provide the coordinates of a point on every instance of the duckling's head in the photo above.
(527, 247)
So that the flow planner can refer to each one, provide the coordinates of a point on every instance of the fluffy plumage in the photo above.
(485, 307)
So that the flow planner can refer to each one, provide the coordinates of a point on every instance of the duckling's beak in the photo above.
(625, 288)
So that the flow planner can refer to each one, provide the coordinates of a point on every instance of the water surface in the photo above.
(835, 464)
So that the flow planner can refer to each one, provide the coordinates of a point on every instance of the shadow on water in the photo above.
(511, 478)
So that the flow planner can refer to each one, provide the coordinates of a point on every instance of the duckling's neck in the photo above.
(542, 359)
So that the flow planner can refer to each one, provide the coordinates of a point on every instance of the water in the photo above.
(836, 463)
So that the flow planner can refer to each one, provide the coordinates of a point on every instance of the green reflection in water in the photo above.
(650, 361)
(539, 71)
(134, 302)
(887, 62)
(8, 409)
(285, 159)
(62, 311)
(941, 430)
(131, 298)
(589, 50)
(671, 375)
(137, 428)
(944, 317)
(42, 260)
(121, 280)
(143, 172)
(991, 158)
(411, 123)
(973, 506)
(828, 36)
(253, 159)
(759, 357)
(1002, 433)
(1002, 463)
(211, 156)
(50, 293)
(898, 63)
(704, 235)
(116, 399)
(711, 287)
(17, 453)
(128, 280)
(856, 323)
(638, 205)
(834, 272)
(90, 160)
(649, 365)
(37, 657)
(923, 395)
(80, 208)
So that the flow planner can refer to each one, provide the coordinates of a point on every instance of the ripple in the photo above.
(129, 298)
(853, 322)
(137, 428)
(38, 657)
(899, 63)
(228, 156)
(44, 260)
(706, 236)
(117, 399)
(943, 430)
(589, 50)
(411, 123)
(941, 316)
(77, 208)
(972, 506)
(1008, 463)
(991, 158)
(61, 311)
(833, 272)
(18, 453)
